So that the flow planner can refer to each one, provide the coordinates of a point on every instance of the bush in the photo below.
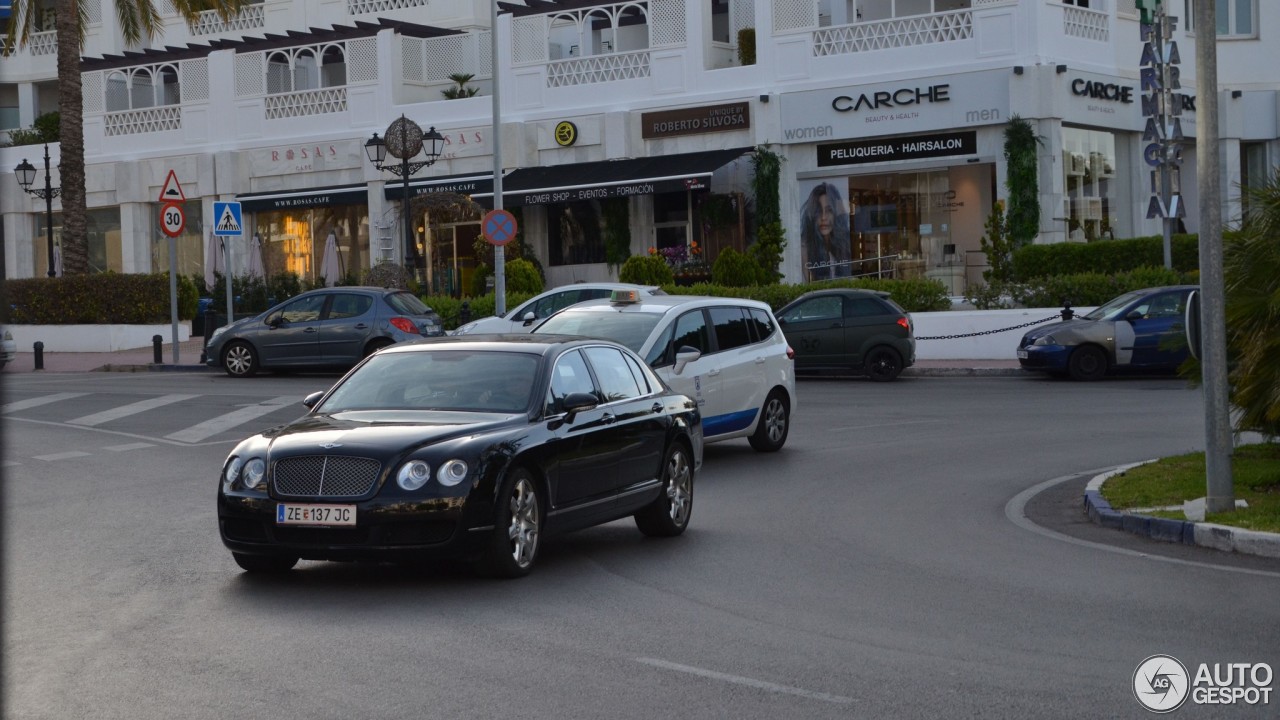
(450, 308)
(139, 299)
(1085, 289)
(747, 46)
(522, 277)
(1104, 256)
(646, 270)
(734, 269)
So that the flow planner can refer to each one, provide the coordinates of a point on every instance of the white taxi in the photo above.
(728, 354)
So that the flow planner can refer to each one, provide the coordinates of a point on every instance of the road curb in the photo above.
(962, 372)
(153, 367)
(1208, 535)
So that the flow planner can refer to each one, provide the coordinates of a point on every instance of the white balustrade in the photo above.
(306, 102)
(598, 69)
(899, 32)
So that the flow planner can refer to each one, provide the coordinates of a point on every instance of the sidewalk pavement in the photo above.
(189, 352)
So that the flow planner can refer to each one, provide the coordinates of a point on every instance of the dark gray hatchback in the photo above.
(850, 330)
(326, 328)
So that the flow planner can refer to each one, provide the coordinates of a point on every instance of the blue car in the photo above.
(1143, 329)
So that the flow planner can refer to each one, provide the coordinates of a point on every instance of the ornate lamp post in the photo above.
(26, 173)
(405, 139)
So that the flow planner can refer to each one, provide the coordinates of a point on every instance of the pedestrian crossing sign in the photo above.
(227, 219)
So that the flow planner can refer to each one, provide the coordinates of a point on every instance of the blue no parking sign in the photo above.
(499, 227)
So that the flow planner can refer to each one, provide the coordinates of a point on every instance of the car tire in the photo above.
(668, 515)
(882, 364)
(517, 532)
(775, 423)
(239, 359)
(265, 564)
(1087, 363)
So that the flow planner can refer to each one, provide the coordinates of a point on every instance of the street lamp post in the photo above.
(405, 139)
(26, 173)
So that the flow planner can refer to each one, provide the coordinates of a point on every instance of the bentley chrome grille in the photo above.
(326, 475)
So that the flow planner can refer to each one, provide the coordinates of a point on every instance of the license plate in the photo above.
(1022, 354)
(327, 515)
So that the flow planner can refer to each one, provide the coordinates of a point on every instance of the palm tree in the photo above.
(1251, 261)
(138, 20)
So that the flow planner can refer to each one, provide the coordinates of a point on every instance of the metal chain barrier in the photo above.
(1059, 316)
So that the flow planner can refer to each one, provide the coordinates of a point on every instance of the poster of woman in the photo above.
(824, 234)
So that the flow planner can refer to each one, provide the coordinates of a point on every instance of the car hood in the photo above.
(379, 432)
(1061, 327)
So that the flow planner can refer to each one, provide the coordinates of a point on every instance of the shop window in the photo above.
(671, 225)
(1254, 171)
(1089, 162)
(293, 241)
(102, 233)
(189, 246)
(574, 233)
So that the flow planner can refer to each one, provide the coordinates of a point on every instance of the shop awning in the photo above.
(614, 178)
(309, 198)
(466, 184)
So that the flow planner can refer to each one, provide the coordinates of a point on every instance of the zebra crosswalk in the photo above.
(171, 419)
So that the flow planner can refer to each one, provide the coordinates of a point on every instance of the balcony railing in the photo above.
(598, 69)
(1085, 23)
(43, 43)
(365, 7)
(148, 120)
(896, 33)
(306, 102)
(250, 17)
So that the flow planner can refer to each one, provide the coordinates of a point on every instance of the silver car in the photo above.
(543, 305)
(8, 348)
(326, 328)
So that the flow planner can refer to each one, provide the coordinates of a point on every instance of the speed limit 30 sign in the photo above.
(172, 219)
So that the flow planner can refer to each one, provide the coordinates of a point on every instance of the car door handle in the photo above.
(760, 361)
(608, 418)
(309, 330)
(713, 372)
(657, 408)
(836, 325)
(361, 326)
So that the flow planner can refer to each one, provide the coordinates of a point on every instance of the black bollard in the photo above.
(1067, 312)
(39, 348)
(464, 314)
(157, 356)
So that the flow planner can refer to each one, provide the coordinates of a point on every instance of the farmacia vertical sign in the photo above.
(1162, 105)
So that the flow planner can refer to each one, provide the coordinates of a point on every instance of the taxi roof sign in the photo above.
(624, 296)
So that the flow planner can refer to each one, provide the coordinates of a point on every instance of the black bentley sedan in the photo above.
(473, 446)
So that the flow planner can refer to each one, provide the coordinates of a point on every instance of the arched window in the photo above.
(142, 92)
(278, 73)
(333, 67)
(117, 91)
(170, 92)
(306, 70)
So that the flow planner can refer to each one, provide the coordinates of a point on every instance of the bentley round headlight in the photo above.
(452, 473)
(255, 471)
(413, 475)
(231, 473)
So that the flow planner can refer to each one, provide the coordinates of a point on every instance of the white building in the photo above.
(896, 106)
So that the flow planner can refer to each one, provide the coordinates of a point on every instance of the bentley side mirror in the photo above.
(684, 356)
(575, 403)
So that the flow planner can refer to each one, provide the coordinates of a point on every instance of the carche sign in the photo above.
(695, 120)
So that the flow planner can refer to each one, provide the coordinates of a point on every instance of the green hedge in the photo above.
(111, 298)
(1104, 256)
(912, 295)
(1085, 289)
(450, 308)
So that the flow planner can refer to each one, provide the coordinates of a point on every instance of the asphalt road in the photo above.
(915, 551)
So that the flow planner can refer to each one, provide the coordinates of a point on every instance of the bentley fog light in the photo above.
(413, 475)
(452, 473)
